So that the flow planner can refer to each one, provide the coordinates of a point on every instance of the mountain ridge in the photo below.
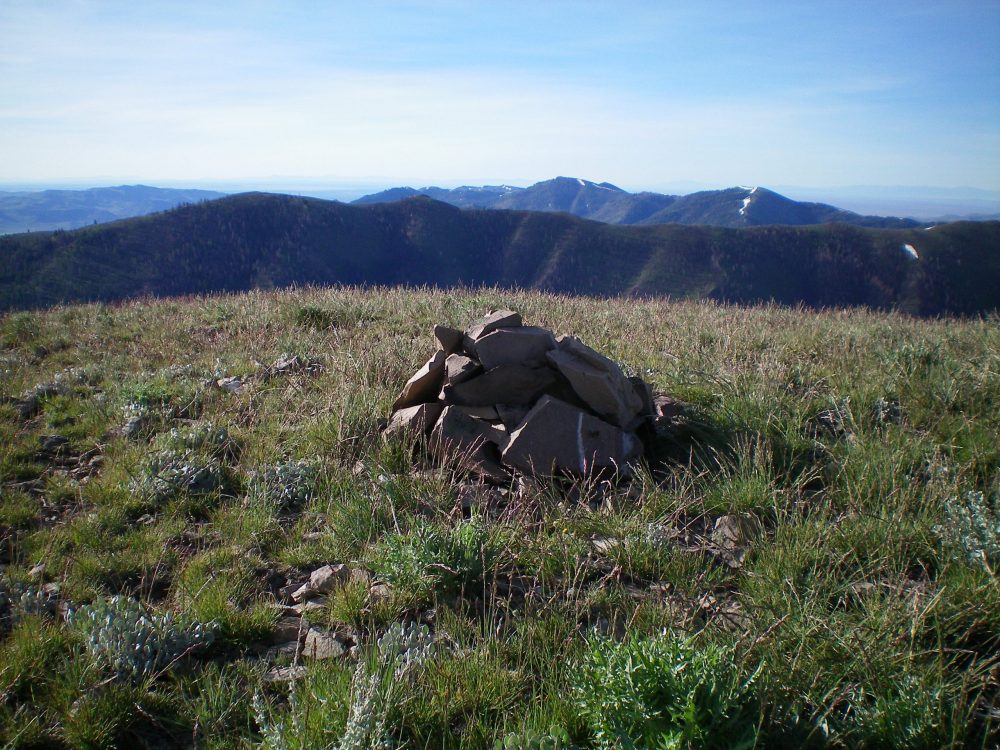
(260, 240)
(742, 206)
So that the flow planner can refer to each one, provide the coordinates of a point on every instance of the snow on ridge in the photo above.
(746, 201)
(582, 183)
(910, 250)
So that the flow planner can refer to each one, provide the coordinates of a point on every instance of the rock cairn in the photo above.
(505, 398)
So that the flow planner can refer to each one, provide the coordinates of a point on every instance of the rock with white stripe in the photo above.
(555, 437)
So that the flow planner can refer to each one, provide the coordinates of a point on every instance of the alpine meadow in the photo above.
(171, 466)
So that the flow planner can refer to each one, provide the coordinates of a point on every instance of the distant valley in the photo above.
(260, 240)
(743, 206)
(33, 211)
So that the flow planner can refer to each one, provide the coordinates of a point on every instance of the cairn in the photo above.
(511, 399)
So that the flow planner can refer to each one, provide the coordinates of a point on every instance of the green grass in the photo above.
(864, 611)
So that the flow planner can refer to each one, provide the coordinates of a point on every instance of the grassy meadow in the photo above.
(854, 603)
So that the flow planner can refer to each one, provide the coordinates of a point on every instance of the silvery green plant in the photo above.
(196, 436)
(166, 472)
(972, 529)
(376, 686)
(134, 643)
(17, 601)
(288, 484)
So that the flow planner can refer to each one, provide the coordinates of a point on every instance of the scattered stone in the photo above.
(53, 443)
(668, 407)
(285, 674)
(230, 385)
(131, 428)
(322, 645)
(379, 592)
(733, 534)
(285, 592)
(322, 581)
(424, 385)
(312, 605)
(287, 629)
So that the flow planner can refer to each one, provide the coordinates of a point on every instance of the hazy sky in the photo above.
(642, 94)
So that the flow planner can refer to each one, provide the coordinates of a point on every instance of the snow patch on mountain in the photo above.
(746, 201)
(911, 251)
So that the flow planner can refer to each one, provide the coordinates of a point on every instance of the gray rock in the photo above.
(322, 645)
(669, 407)
(516, 385)
(322, 581)
(511, 416)
(526, 345)
(597, 381)
(131, 428)
(425, 383)
(556, 437)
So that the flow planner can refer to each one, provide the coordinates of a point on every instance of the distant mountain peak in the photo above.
(738, 206)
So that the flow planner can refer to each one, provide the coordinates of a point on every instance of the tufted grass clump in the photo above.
(132, 642)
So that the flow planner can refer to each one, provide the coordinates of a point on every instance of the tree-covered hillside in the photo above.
(265, 241)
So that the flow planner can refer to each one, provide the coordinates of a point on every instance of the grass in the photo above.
(863, 610)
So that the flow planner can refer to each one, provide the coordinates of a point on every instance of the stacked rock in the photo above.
(506, 398)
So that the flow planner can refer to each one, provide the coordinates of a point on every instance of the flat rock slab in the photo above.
(491, 322)
(556, 437)
(515, 385)
(526, 345)
(417, 419)
(424, 385)
(598, 381)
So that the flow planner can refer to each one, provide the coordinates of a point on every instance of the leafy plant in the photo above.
(664, 692)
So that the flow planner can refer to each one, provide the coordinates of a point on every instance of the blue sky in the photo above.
(648, 95)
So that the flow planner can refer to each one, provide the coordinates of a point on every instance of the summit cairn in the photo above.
(506, 398)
